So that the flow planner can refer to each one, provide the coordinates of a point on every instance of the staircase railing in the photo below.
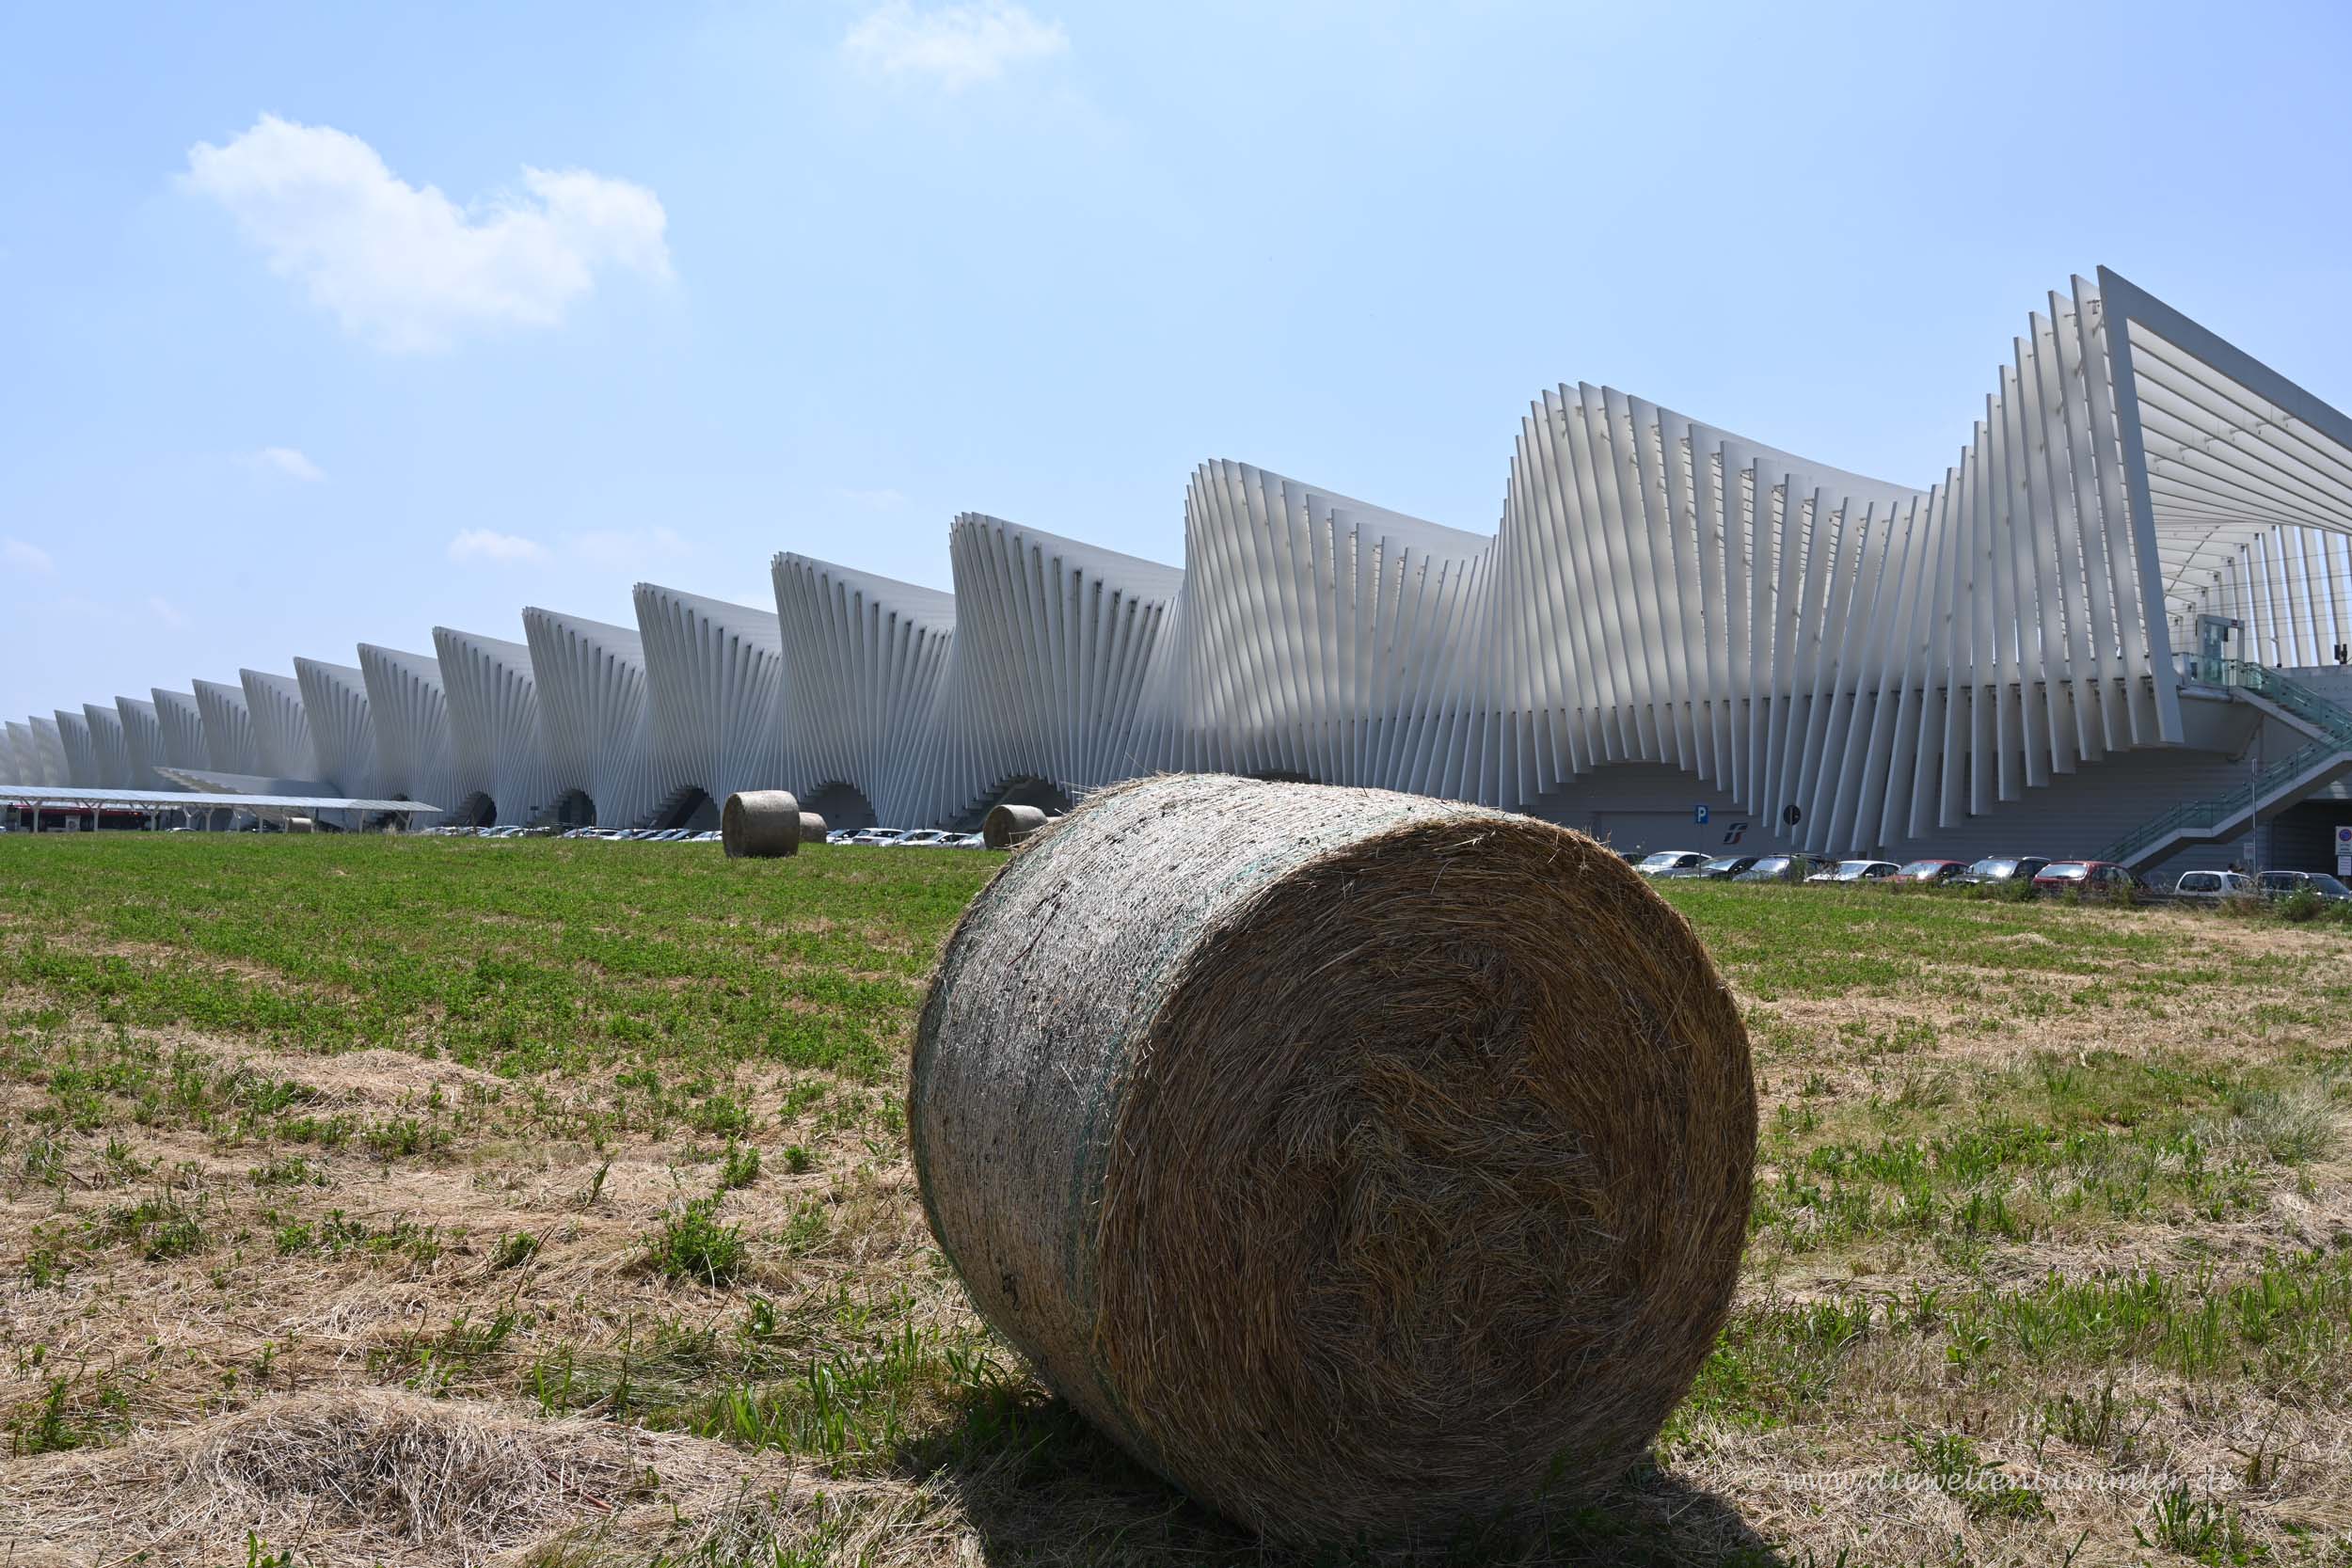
(2333, 723)
(2296, 698)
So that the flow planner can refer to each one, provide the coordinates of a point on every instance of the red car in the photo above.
(2088, 878)
(1929, 871)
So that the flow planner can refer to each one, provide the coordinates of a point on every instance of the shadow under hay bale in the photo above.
(1365, 1164)
(1005, 826)
(761, 823)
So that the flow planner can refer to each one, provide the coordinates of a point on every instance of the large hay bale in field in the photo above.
(812, 828)
(1363, 1163)
(1005, 826)
(761, 823)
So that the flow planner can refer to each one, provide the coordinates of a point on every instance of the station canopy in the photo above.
(166, 799)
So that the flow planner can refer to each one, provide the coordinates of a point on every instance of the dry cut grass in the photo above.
(442, 1201)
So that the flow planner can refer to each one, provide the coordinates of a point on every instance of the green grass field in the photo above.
(373, 1200)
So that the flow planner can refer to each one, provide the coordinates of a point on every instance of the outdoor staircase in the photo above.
(2277, 785)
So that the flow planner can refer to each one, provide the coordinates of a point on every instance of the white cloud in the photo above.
(481, 544)
(17, 556)
(954, 46)
(630, 550)
(405, 267)
(165, 614)
(287, 462)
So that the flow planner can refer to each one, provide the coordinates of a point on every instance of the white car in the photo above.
(926, 838)
(1855, 871)
(2214, 886)
(879, 836)
(1668, 860)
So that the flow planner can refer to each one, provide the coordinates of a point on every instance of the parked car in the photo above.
(1780, 868)
(2088, 878)
(2004, 868)
(2214, 886)
(2282, 884)
(840, 836)
(968, 841)
(1721, 868)
(879, 836)
(1856, 871)
(1668, 860)
(925, 838)
(708, 836)
(1931, 871)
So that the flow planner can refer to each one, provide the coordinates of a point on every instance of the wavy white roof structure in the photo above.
(142, 743)
(342, 723)
(591, 679)
(180, 718)
(49, 750)
(714, 673)
(864, 657)
(229, 743)
(412, 717)
(283, 743)
(1850, 661)
(108, 754)
(81, 764)
(499, 756)
(1044, 681)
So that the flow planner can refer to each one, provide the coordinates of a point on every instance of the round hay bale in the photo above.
(812, 828)
(1366, 1163)
(761, 823)
(1005, 826)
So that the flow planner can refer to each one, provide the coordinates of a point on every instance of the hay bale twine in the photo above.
(1366, 1163)
(812, 828)
(1005, 826)
(761, 823)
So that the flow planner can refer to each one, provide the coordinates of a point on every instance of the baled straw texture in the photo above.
(1005, 826)
(1363, 1163)
(812, 828)
(762, 823)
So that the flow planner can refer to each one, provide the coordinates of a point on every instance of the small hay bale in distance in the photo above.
(1005, 826)
(1366, 1163)
(760, 823)
(812, 828)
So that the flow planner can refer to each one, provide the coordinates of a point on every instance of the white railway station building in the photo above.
(2117, 626)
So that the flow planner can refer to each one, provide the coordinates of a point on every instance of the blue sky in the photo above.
(322, 325)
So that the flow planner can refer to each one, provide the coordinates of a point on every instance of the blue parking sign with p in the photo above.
(1698, 815)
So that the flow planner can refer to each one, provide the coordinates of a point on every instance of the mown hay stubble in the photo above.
(1363, 1163)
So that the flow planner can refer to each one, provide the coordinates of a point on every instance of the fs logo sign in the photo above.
(1733, 833)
